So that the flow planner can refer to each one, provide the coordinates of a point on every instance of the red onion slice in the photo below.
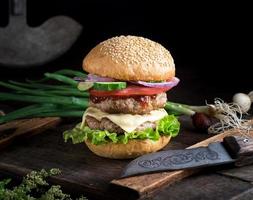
(95, 78)
(169, 84)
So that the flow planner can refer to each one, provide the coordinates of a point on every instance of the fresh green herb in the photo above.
(48, 90)
(169, 126)
(70, 72)
(62, 99)
(42, 110)
(29, 91)
(68, 101)
(61, 113)
(34, 182)
(62, 78)
(44, 86)
(178, 109)
(26, 111)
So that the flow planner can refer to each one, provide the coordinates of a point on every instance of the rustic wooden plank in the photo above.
(145, 184)
(25, 128)
(82, 171)
(11, 124)
(204, 187)
(244, 173)
(247, 195)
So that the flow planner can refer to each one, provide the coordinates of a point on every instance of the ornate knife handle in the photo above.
(240, 148)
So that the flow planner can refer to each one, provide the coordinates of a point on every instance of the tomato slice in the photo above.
(131, 90)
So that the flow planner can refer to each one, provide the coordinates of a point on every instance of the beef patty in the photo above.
(106, 124)
(131, 105)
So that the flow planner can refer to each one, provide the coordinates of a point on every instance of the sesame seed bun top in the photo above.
(130, 58)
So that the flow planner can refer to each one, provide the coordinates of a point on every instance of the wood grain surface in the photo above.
(204, 186)
(145, 184)
(85, 173)
(25, 128)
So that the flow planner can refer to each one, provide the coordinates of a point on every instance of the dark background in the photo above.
(210, 41)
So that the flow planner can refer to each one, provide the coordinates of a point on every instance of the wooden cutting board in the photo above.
(25, 128)
(145, 184)
(83, 172)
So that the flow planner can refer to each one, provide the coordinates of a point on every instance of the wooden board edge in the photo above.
(8, 168)
(146, 184)
(139, 183)
(24, 126)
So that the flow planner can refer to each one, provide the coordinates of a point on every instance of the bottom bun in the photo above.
(132, 149)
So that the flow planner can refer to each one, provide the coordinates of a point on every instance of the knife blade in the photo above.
(233, 149)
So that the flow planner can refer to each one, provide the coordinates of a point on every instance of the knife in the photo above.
(233, 149)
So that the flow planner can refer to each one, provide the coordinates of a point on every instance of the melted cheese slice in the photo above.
(127, 122)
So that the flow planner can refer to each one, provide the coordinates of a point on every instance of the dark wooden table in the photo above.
(83, 172)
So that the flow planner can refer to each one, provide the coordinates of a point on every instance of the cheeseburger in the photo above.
(128, 80)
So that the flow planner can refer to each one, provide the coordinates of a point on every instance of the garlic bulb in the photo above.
(251, 96)
(243, 100)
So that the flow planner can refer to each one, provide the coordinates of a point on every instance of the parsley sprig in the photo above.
(33, 184)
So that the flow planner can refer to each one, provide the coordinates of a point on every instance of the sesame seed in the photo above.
(133, 50)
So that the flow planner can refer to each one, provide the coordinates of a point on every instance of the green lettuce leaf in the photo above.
(168, 126)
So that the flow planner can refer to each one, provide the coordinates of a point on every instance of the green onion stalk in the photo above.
(64, 99)
(183, 109)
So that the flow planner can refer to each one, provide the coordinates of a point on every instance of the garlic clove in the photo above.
(242, 100)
